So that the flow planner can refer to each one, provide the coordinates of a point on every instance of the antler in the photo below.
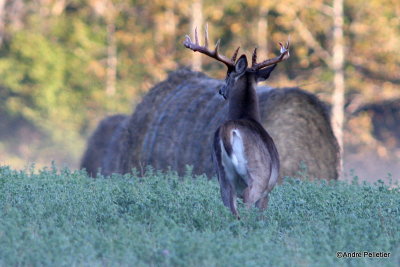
(230, 63)
(283, 56)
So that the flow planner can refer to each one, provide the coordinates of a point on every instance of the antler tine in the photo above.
(283, 56)
(196, 37)
(196, 47)
(254, 58)
(216, 49)
(235, 54)
(206, 37)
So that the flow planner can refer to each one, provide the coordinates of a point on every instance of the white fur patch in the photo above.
(238, 155)
(235, 165)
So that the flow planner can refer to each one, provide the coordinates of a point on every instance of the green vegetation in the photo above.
(64, 218)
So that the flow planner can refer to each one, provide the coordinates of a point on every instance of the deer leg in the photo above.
(228, 194)
(233, 206)
(252, 196)
(247, 198)
(262, 203)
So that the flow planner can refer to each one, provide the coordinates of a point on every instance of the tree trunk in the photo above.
(58, 7)
(338, 68)
(262, 33)
(165, 34)
(197, 21)
(170, 19)
(2, 20)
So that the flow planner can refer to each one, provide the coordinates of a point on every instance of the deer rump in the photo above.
(246, 161)
(173, 127)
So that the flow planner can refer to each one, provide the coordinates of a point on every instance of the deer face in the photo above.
(240, 75)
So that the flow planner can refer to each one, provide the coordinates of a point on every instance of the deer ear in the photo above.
(241, 65)
(263, 74)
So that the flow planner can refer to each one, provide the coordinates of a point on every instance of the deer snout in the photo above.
(222, 91)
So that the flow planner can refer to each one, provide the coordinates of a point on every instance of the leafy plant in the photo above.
(59, 217)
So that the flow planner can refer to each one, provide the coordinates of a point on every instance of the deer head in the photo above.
(236, 70)
(240, 79)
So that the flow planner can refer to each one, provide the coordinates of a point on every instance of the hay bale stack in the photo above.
(98, 143)
(174, 124)
(385, 116)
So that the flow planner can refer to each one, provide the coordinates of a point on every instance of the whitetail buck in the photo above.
(245, 156)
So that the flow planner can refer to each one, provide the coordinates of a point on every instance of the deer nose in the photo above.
(222, 90)
(222, 93)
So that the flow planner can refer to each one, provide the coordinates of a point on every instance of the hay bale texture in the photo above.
(174, 124)
(99, 143)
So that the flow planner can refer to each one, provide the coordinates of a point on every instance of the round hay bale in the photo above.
(113, 154)
(372, 148)
(174, 124)
(385, 116)
(98, 143)
(300, 126)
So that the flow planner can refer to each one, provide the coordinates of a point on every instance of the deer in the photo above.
(245, 157)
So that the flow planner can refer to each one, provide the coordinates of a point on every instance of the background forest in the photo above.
(65, 64)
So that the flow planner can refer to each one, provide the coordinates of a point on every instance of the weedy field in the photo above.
(64, 218)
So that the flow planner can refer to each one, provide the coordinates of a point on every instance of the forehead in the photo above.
(232, 70)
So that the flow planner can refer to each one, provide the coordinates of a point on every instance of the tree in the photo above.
(338, 69)
(197, 23)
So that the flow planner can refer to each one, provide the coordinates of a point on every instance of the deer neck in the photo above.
(243, 104)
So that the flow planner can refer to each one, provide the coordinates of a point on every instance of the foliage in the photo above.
(55, 54)
(64, 218)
